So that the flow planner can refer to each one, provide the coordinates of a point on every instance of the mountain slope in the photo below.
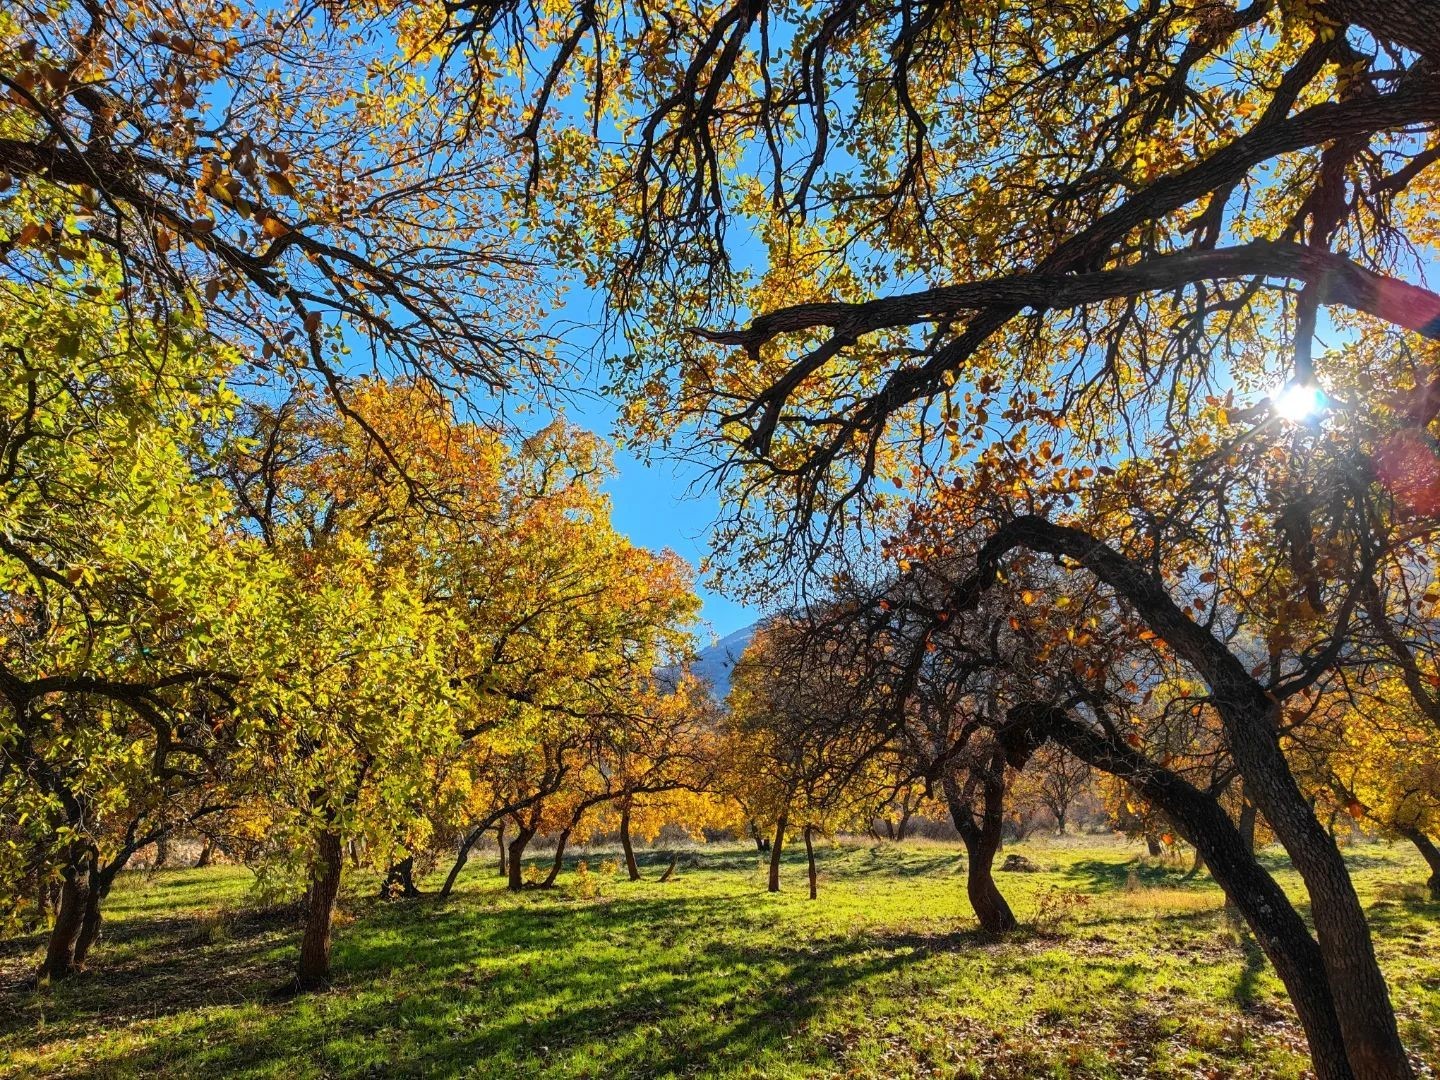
(715, 663)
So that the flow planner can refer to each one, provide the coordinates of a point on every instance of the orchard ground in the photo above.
(1127, 967)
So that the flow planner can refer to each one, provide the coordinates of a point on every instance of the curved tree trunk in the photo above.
(1429, 852)
(90, 924)
(1361, 996)
(314, 968)
(1249, 714)
(810, 861)
(631, 866)
(75, 886)
(207, 854)
(500, 842)
(461, 857)
(1278, 928)
(670, 870)
(774, 884)
(559, 860)
(515, 880)
(982, 841)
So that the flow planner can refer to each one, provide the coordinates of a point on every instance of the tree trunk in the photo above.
(162, 851)
(559, 860)
(400, 880)
(1248, 815)
(631, 867)
(460, 859)
(774, 885)
(670, 870)
(1153, 845)
(75, 885)
(1278, 928)
(810, 861)
(102, 878)
(516, 881)
(982, 841)
(1248, 713)
(1429, 851)
(207, 854)
(903, 829)
(314, 968)
(1357, 985)
(1060, 823)
(759, 840)
(90, 925)
(500, 841)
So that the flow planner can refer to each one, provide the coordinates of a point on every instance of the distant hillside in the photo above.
(714, 664)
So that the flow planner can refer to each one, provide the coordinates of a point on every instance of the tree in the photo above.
(361, 711)
(566, 629)
(1062, 779)
(131, 617)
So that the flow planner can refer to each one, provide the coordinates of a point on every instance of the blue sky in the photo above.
(664, 503)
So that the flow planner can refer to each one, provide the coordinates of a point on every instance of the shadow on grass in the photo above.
(423, 989)
(1104, 875)
(158, 967)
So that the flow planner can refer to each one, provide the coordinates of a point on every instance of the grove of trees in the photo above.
(1066, 371)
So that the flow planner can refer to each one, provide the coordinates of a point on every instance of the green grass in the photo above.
(1128, 969)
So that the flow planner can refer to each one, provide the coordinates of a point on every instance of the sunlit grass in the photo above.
(1130, 968)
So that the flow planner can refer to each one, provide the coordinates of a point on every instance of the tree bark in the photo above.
(515, 880)
(75, 885)
(314, 968)
(982, 841)
(670, 870)
(1278, 928)
(500, 841)
(775, 848)
(810, 861)
(1248, 815)
(631, 866)
(1249, 715)
(162, 851)
(90, 924)
(1429, 851)
(559, 860)
(400, 880)
(207, 854)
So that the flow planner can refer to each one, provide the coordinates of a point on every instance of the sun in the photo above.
(1299, 402)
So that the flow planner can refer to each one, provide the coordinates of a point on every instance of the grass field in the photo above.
(1125, 969)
